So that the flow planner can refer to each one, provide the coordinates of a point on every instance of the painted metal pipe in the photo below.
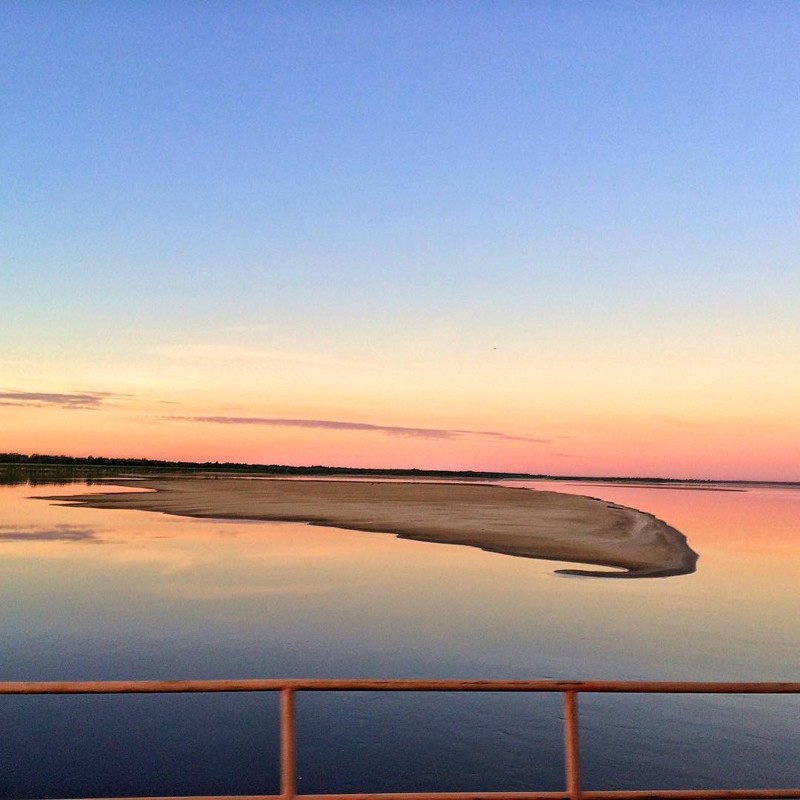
(371, 685)
(288, 752)
(572, 755)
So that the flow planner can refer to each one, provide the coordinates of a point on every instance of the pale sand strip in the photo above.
(518, 522)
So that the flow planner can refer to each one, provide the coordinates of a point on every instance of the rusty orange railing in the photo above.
(569, 689)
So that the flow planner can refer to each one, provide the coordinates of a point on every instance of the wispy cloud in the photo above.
(336, 425)
(266, 327)
(228, 352)
(682, 423)
(57, 399)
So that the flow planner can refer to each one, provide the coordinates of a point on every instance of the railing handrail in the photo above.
(395, 685)
(288, 687)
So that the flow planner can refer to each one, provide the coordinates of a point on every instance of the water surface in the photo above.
(94, 594)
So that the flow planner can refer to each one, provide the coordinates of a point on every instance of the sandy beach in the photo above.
(516, 522)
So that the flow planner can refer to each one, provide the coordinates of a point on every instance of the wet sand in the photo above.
(516, 522)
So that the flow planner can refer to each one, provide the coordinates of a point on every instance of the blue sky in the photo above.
(399, 180)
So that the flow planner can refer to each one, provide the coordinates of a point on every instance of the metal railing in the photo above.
(569, 689)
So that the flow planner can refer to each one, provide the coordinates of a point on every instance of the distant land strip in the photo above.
(511, 521)
(103, 462)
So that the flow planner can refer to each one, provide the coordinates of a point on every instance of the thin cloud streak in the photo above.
(58, 399)
(256, 328)
(337, 425)
(226, 352)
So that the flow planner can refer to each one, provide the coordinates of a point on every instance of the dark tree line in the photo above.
(119, 464)
(227, 466)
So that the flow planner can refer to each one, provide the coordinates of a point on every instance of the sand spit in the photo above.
(517, 522)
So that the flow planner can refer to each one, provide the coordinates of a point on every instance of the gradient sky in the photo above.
(547, 237)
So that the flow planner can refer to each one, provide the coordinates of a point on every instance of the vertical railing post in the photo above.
(288, 754)
(572, 755)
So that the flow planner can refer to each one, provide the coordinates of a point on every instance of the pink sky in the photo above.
(744, 448)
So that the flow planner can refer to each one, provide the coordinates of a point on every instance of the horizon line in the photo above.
(117, 461)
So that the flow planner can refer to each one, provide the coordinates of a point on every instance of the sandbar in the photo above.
(513, 521)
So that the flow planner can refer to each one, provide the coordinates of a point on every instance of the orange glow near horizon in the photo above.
(732, 449)
(586, 418)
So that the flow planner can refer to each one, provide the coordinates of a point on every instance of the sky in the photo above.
(558, 238)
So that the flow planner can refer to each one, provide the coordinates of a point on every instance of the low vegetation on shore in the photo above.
(128, 465)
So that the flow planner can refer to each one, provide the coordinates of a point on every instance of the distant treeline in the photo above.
(120, 464)
(18, 459)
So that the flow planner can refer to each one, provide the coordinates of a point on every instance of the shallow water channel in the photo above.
(89, 594)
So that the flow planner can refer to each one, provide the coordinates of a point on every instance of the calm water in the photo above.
(91, 594)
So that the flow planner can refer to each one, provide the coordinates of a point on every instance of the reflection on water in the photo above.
(93, 594)
(57, 474)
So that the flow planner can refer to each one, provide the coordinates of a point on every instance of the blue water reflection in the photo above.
(89, 594)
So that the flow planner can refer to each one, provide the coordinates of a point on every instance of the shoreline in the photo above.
(511, 521)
